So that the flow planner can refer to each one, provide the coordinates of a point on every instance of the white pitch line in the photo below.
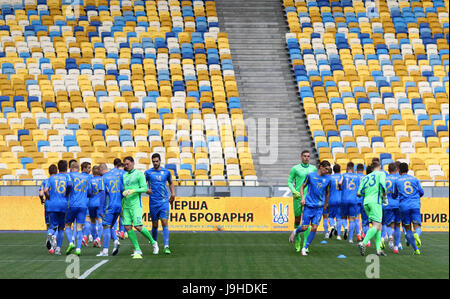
(89, 271)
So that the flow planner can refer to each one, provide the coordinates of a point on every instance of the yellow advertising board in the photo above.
(211, 213)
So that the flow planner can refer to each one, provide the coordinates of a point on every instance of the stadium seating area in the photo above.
(97, 79)
(373, 80)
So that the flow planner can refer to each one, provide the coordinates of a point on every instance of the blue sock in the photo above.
(365, 229)
(310, 238)
(60, 238)
(344, 223)
(155, 233)
(397, 235)
(86, 228)
(325, 224)
(69, 235)
(351, 229)
(418, 231)
(50, 231)
(331, 222)
(339, 226)
(410, 237)
(357, 227)
(106, 237)
(113, 232)
(389, 231)
(79, 238)
(383, 231)
(166, 235)
(93, 227)
(99, 230)
(121, 227)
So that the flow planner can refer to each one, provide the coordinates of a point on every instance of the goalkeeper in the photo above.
(134, 185)
(373, 189)
(297, 176)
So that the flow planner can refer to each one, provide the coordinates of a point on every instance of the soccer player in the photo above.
(373, 189)
(52, 170)
(77, 208)
(98, 192)
(409, 191)
(134, 185)
(350, 202)
(364, 219)
(56, 191)
(118, 170)
(159, 202)
(110, 207)
(86, 170)
(325, 215)
(297, 176)
(315, 200)
(391, 212)
(334, 204)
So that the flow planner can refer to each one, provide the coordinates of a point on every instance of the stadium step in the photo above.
(256, 32)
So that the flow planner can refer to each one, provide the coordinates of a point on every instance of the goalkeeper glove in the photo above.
(296, 194)
(127, 193)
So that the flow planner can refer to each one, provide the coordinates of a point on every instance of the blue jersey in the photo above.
(409, 191)
(350, 185)
(81, 188)
(118, 172)
(58, 187)
(156, 180)
(317, 188)
(112, 202)
(98, 191)
(361, 176)
(390, 181)
(335, 193)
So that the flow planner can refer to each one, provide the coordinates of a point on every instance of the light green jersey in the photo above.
(298, 175)
(373, 187)
(134, 180)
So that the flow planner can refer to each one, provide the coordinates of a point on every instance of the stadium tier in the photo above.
(96, 79)
(373, 80)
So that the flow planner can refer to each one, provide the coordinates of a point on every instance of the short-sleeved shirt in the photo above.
(409, 191)
(57, 187)
(335, 193)
(298, 175)
(157, 181)
(318, 185)
(350, 185)
(372, 187)
(81, 187)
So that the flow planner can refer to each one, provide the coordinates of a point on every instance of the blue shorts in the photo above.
(334, 211)
(312, 215)
(350, 209)
(364, 218)
(159, 212)
(57, 219)
(110, 218)
(76, 213)
(94, 212)
(411, 216)
(391, 216)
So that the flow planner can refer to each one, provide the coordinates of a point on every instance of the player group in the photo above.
(80, 205)
(386, 201)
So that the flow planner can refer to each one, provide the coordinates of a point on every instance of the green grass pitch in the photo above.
(223, 255)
